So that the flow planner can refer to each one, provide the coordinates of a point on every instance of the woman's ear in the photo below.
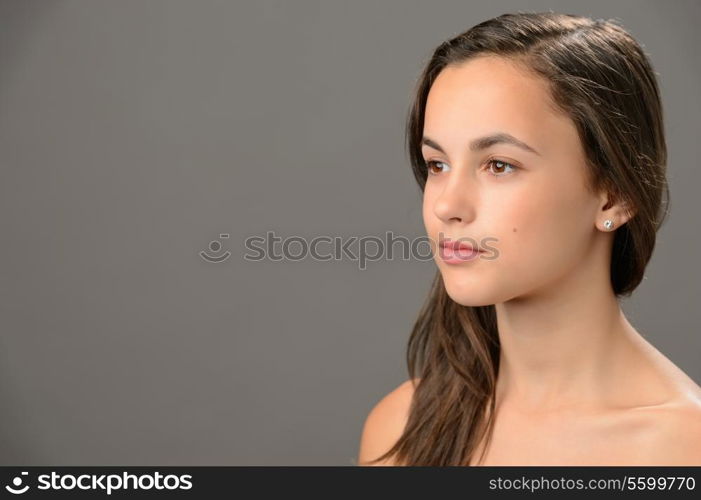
(614, 212)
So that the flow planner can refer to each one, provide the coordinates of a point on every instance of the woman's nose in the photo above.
(457, 200)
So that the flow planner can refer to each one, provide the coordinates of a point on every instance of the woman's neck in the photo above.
(568, 346)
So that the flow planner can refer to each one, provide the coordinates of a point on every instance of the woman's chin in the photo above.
(469, 295)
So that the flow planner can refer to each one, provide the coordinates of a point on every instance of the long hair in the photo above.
(601, 78)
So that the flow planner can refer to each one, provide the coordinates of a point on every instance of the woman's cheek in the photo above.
(541, 245)
(518, 245)
(431, 222)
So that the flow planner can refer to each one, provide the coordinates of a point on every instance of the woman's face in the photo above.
(526, 204)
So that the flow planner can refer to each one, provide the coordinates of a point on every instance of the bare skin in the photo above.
(663, 434)
(577, 383)
(649, 413)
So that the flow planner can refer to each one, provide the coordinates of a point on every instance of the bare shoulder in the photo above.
(675, 432)
(670, 432)
(385, 423)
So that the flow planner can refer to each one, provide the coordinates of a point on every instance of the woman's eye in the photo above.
(432, 164)
(497, 168)
(500, 167)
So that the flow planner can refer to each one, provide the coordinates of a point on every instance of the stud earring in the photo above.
(608, 224)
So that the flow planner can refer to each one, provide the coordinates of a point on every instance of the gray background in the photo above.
(133, 133)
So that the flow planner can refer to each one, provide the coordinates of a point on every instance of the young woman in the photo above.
(537, 140)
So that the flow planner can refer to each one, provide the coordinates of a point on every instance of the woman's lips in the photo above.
(457, 252)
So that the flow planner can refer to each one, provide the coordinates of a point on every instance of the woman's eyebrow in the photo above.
(485, 142)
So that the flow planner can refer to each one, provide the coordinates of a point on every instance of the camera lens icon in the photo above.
(215, 247)
(17, 483)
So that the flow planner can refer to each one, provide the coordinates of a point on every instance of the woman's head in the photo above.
(581, 98)
(538, 127)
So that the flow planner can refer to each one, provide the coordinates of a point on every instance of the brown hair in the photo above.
(602, 79)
